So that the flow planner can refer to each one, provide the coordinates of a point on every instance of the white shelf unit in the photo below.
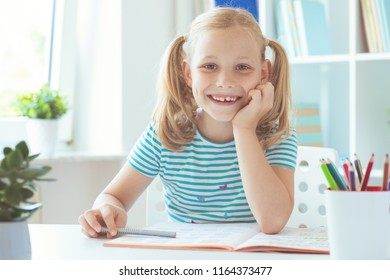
(351, 86)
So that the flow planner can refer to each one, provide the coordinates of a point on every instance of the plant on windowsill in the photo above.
(17, 187)
(43, 108)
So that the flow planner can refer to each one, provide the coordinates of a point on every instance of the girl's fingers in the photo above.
(86, 228)
(89, 234)
(109, 219)
(267, 93)
(92, 219)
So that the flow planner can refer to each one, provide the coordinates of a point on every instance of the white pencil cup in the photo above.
(358, 224)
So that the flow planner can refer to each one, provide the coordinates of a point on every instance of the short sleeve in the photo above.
(284, 153)
(145, 155)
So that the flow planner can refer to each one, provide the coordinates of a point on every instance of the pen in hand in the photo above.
(127, 230)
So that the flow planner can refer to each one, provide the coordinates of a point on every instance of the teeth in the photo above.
(223, 99)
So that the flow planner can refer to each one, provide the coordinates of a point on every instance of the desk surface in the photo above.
(66, 242)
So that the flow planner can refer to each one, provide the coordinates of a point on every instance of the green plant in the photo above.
(18, 183)
(45, 103)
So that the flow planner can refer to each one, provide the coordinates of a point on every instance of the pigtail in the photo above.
(276, 124)
(174, 111)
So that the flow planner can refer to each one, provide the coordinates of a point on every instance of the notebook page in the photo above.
(191, 236)
(303, 240)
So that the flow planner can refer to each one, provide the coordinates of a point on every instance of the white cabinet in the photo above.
(351, 86)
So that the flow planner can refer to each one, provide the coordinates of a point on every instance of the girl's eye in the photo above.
(242, 67)
(210, 66)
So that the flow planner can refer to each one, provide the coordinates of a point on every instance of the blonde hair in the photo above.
(175, 110)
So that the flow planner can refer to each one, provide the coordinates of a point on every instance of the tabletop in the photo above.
(66, 242)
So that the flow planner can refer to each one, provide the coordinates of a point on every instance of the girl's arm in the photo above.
(269, 190)
(111, 206)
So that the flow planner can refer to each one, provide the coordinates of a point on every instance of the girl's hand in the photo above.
(261, 100)
(108, 215)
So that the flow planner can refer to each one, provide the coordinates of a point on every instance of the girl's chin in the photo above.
(223, 117)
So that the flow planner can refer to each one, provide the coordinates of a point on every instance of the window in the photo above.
(25, 33)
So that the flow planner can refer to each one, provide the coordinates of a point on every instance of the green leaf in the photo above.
(4, 164)
(31, 158)
(2, 185)
(22, 147)
(26, 193)
(32, 173)
(6, 151)
(29, 208)
(12, 196)
(46, 179)
(4, 215)
(14, 159)
(3, 173)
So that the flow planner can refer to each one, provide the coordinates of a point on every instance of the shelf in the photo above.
(349, 86)
(372, 56)
(337, 58)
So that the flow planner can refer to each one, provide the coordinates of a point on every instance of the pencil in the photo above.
(127, 230)
(336, 176)
(328, 176)
(356, 180)
(351, 172)
(359, 169)
(385, 173)
(367, 174)
(346, 170)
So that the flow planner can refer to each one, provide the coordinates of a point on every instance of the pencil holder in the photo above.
(358, 224)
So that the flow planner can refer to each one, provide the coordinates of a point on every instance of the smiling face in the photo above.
(224, 65)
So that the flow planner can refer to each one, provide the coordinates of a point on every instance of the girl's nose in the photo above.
(225, 80)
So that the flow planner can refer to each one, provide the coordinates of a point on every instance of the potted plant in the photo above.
(17, 187)
(43, 108)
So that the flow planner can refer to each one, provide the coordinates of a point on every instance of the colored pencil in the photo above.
(328, 176)
(346, 170)
(351, 172)
(359, 169)
(336, 176)
(385, 173)
(367, 174)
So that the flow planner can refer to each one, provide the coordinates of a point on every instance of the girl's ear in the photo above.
(185, 66)
(266, 71)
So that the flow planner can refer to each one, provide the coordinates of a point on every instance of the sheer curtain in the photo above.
(91, 70)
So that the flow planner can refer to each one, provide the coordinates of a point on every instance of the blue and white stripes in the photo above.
(202, 183)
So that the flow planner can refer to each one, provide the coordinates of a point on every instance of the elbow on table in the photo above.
(270, 230)
(271, 227)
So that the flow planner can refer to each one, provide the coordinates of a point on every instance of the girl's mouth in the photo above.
(224, 99)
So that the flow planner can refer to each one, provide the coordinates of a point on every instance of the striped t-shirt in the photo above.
(202, 183)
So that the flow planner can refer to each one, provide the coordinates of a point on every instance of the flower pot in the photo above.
(15, 241)
(42, 136)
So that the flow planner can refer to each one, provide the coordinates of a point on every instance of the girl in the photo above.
(220, 138)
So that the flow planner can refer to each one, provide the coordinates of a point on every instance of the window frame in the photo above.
(60, 74)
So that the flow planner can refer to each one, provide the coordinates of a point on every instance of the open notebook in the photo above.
(243, 237)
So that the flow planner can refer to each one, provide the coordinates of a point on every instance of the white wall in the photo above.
(147, 28)
(78, 181)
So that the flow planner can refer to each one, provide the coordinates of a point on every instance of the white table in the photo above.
(66, 242)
